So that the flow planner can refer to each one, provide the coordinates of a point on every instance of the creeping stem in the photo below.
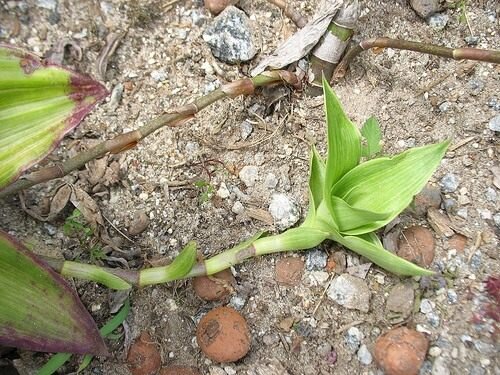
(476, 54)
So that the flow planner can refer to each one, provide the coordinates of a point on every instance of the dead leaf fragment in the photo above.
(440, 223)
(303, 41)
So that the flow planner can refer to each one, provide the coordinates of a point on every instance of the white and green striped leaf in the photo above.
(39, 104)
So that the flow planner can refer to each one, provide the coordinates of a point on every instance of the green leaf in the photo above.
(371, 132)
(106, 330)
(39, 311)
(381, 257)
(316, 180)
(39, 104)
(56, 361)
(344, 140)
(353, 221)
(387, 185)
(178, 269)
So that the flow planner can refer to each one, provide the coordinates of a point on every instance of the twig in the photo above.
(118, 230)
(130, 139)
(298, 19)
(461, 143)
(322, 295)
(349, 325)
(475, 54)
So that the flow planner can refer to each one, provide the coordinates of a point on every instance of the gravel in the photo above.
(284, 210)
(350, 292)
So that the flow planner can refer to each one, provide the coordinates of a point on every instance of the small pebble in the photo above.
(491, 194)
(350, 292)
(223, 191)
(444, 107)
(116, 96)
(449, 183)
(472, 40)
(452, 296)
(231, 36)
(364, 355)
(249, 174)
(426, 306)
(246, 128)
(417, 245)
(316, 260)
(494, 123)
(270, 181)
(158, 75)
(238, 208)
(438, 21)
(238, 302)
(433, 319)
(284, 210)
(425, 8)
(475, 86)
(353, 338)
(435, 351)
(496, 219)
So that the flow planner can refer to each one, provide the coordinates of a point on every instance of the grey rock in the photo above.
(475, 86)
(449, 183)
(284, 210)
(359, 271)
(425, 8)
(452, 296)
(491, 194)
(463, 212)
(444, 106)
(472, 40)
(438, 21)
(426, 368)
(400, 302)
(426, 306)
(159, 75)
(353, 338)
(364, 355)
(496, 219)
(246, 128)
(51, 230)
(237, 302)
(430, 196)
(116, 96)
(494, 103)
(198, 17)
(316, 260)
(238, 208)
(476, 370)
(249, 174)
(350, 292)
(440, 367)
(433, 319)
(450, 205)
(223, 191)
(476, 261)
(494, 123)
(231, 36)
(47, 4)
(270, 181)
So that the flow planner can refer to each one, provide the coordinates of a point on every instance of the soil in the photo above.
(404, 90)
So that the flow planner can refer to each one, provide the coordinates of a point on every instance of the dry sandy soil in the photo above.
(404, 90)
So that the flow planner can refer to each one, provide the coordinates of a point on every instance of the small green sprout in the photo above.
(206, 190)
(75, 225)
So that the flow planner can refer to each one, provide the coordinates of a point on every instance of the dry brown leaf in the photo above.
(96, 170)
(440, 223)
(303, 41)
(261, 215)
(88, 207)
(59, 201)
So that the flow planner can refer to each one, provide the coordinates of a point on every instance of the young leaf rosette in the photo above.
(349, 200)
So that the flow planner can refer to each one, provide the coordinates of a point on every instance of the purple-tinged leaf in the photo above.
(38, 309)
(39, 104)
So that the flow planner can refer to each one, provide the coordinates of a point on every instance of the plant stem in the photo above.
(293, 239)
(475, 54)
(122, 142)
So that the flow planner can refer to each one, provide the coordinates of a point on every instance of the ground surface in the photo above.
(404, 90)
